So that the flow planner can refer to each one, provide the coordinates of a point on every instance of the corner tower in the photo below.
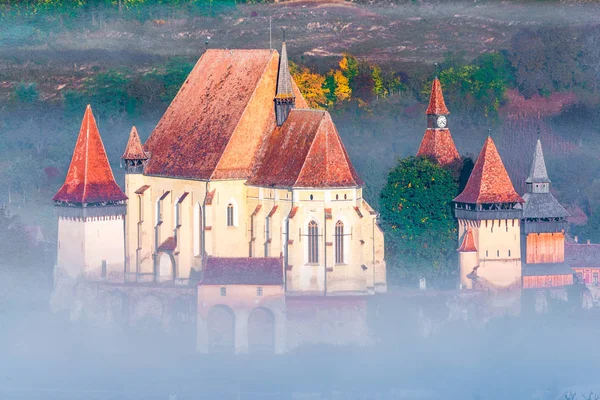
(285, 99)
(91, 210)
(543, 232)
(437, 142)
(490, 210)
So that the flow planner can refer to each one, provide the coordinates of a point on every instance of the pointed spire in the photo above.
(134, 149)
(468, 242)
(436, 100)
(489, 182)
(285, 100)
(537, 172)
(90, 178)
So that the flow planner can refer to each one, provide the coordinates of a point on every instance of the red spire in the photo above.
(438, 144)
(436, 101)
(489, 182)
(90, 178)
(468, 242)
(134, 149)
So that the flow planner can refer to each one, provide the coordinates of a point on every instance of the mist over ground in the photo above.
(48, 356)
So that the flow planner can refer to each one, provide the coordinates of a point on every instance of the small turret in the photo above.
(134, 158)
(285, 99)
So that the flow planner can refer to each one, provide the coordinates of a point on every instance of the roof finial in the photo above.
(489, 132)
(206, 42)
(437, 70)
(283, 29)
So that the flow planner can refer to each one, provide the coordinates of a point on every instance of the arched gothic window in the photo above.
(339, 242)
(229, 214)
(313, 242)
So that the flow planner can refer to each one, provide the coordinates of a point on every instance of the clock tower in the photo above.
(437, 142)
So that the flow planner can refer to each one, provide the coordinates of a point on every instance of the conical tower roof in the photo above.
(436, 100)
(489, 182)
(537, 172)
(90, 178)
(438, 144)
(134, 149)
(284, 78)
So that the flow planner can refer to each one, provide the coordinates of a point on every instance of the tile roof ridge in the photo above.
(242, 115)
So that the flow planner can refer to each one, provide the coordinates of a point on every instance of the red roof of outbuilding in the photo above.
(218, 120)
(489, 182)
(306, 151)
(90, 178)
(242, 271)
(468, 242)
(134, 149)
(438, 144)
(436, 99)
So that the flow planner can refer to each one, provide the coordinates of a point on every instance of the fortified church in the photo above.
(243, 220)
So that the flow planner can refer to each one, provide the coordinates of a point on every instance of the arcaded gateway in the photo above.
(242, 192)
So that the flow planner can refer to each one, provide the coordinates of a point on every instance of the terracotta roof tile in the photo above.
(306, 151)
(468, 242)
(272, 212)
(438, 144)
(489, 182)
(242, 271)
(256, 210)
(169, 245)
(436, 99)
(328, 213)
(134, 149)
(293, 212)
(90, 178)
(218, 120)
(358, 212)
(142, 189)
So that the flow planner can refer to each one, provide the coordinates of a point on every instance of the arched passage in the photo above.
(221, 330)
(166, 266)
(261, 331)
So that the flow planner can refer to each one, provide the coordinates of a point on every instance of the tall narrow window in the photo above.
(339, 242)
(198, 230)
(313, 242)
(267, 235)
(229, 214)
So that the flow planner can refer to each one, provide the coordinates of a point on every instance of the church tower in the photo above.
(285, 100)
(489, 212)
(543, 232)
(437, 142)
(91, 210)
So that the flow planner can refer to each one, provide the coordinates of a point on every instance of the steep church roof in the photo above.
(438, 144)
(134, 149)
(537, 172)
(90, 178)
(539, 202)
(306, 151)
(284, 79)
(219, 118)
(468, 242)
(436, 100)
(489, 182)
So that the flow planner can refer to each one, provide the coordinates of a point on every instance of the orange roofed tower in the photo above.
(90, 208)
(490, 210)
(437, 142)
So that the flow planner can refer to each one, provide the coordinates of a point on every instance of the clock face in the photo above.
(441, 121)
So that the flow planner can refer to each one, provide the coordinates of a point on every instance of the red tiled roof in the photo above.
(438, 144)
(242, 271)
(170, 244)
(90, 178)
(468, 242)
(293, 212)
(582, 255)
(142, 189)
(306, 151)
(134, 149)
(272, 212)
(436, 100)
(218, 120)
(256, 210)
(489, 182)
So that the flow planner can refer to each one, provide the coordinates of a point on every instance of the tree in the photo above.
(349, 67)
(342, 87)
(311, 86)
(417, 216)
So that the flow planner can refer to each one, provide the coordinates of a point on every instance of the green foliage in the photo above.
(176, 70)
(417, 217)
(108, 91)
(591, 230)
(26, 93)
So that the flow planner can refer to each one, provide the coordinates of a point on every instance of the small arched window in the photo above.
(339, 242)
(229, 214)
(313, 242)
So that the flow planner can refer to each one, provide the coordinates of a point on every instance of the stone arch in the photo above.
(221, 329)
(261, 331)
(166, 265)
